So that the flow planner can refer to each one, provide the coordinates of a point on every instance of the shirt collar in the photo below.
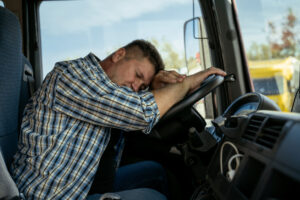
(96, 62)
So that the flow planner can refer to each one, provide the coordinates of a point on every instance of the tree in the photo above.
(258, 51)
(281, 42)
(172, 59)
(175, 60)
(286, 46)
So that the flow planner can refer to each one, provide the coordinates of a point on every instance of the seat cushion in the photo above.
(8, 188)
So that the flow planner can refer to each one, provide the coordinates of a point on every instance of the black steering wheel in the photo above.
(210, 83)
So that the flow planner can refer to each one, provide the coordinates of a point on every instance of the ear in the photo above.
(118, 55)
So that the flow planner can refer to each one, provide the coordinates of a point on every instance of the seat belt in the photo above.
(27, 86)
(28, 75)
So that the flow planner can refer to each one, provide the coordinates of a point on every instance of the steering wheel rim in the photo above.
(209, 84)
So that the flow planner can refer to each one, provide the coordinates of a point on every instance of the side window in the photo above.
(198, 55)
(1, 3)
(67, 35)
(102, 27)
(271, 40)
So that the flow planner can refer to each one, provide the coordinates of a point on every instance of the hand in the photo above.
(167, 96)
(196, 79)
(163, 78)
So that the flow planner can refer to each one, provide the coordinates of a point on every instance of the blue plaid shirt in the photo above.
(66, 127)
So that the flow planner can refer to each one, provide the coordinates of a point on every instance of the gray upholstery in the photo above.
(8, 188)
(10, 81)
(11, 71)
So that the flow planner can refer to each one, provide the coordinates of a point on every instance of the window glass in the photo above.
(1, 3)
(271, 33)
(198, 55)
(269, 86)
(72, 29)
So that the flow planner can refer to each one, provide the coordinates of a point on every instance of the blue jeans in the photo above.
(142, 181)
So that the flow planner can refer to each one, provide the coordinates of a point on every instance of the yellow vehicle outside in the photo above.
(272, 78)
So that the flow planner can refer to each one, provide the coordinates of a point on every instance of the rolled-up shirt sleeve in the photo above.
(91, 97)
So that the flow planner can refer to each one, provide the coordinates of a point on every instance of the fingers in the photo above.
(198, 78)
(172, 77)
(163, 78)
(210, 71)
(214, 70)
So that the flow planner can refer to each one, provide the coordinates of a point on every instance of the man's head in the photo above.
(133, 65)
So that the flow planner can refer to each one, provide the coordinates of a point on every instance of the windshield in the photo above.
(72, 29)
(271, 38)
(269, 86)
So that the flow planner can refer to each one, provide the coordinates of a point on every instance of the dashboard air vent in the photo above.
(253, 127)
(270, 132)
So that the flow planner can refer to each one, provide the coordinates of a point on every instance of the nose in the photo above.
(136, 86)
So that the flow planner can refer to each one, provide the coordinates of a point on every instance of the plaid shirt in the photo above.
(66, 127)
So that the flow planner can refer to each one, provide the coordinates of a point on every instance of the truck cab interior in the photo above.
(229, 139)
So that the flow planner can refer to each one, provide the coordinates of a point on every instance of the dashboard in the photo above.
(248, 153)
(246, 107)
(232, 122)
(256, 157)
(250, 102)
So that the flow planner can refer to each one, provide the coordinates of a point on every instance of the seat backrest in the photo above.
(11, 71)
(11, 75)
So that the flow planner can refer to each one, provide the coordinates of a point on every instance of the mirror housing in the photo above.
(196, 46)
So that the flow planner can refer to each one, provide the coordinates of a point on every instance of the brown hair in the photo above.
(144, 49)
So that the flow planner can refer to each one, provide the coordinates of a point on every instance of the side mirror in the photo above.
(196, 47)
(198, 56)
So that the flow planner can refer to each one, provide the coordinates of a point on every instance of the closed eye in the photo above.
(141, 77)
(138, 75)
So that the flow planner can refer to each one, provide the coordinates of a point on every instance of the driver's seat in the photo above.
(11, 80)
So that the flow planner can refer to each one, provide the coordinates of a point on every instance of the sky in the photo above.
(254, 16)
(72, 29)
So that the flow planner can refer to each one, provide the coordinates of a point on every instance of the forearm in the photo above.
(167, 96)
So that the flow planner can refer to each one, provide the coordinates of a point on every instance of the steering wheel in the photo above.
(210, 83)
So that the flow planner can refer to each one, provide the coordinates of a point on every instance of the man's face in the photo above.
(133, 73)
